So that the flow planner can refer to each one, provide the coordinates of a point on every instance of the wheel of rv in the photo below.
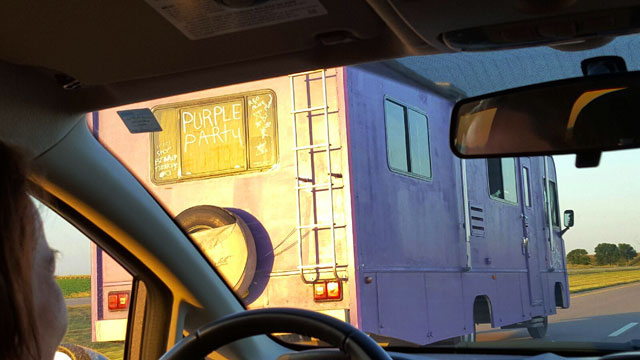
(226, 240)
(538, 332)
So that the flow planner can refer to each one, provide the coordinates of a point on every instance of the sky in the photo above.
(74, 249)
(605, 200)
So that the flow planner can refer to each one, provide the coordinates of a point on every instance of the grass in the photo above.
(75, 286)
(599, 269)
(585, 279)
(79, 333)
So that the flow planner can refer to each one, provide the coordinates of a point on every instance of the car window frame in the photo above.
(150, 339)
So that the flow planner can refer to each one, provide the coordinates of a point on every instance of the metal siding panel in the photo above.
(444, 305)
(402, 306)
(524, 294)
(509, 300)
(368, 303)
(401, 220)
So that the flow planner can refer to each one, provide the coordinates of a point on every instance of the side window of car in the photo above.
(96, 289)
(502, 179)
(407, 135)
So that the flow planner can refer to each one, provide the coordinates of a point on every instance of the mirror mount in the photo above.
(588, 159)
(603, 65)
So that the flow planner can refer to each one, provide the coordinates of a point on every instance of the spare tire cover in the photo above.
(226, 240)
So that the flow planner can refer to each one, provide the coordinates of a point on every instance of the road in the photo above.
(604, 315)
(78, 301)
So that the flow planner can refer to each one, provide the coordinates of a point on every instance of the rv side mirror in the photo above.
(568, 218)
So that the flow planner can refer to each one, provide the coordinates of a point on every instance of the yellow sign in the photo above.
(215, 136)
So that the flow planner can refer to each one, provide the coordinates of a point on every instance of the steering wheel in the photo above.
(272, 320)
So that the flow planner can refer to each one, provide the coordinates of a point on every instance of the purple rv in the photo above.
(336, 191)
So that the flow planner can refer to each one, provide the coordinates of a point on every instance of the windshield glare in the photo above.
(336, 191)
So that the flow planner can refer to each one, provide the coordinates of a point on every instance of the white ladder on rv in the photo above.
(310, 184)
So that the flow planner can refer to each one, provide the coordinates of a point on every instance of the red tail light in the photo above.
(123, 300)
(118, 300)
(334, 290)
(113, 301)
(320, 291)
(327, 290)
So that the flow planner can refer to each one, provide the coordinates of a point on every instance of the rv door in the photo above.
(531, 236)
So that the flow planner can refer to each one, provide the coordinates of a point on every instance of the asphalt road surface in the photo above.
(604, 315)
(78, 301)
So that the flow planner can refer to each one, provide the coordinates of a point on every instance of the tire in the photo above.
(207, 217)
(539, 332)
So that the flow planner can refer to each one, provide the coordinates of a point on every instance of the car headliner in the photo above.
(125, 51)
(117, 50)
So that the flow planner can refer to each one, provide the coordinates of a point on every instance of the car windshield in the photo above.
(336, 191)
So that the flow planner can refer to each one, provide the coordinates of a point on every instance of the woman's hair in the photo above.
(18, 333)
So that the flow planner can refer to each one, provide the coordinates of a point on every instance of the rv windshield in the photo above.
(336, 191)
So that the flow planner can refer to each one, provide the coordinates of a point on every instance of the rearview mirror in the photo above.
(580, 115)
(568, 218)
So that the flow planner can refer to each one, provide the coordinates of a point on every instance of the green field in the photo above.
(79, 333)
(75, 286)
(596, 278)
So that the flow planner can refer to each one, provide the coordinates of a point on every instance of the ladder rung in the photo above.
(320, 149)
(306, 72)
(314, 186)
(313, 226)
(310, 109)
(317, 186)
(318, 266)
(319, 226)
(333, 148)
(307, 147)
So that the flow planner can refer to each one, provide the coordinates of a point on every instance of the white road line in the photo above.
(623, 329)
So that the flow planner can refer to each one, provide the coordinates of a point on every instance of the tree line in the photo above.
(605, 254)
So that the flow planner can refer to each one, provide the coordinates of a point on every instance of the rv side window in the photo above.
(407, 140)
(502, 179)
(525, 186)
(216, 136)
(555, 215)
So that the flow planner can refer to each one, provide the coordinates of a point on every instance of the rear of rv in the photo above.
(258, 174)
